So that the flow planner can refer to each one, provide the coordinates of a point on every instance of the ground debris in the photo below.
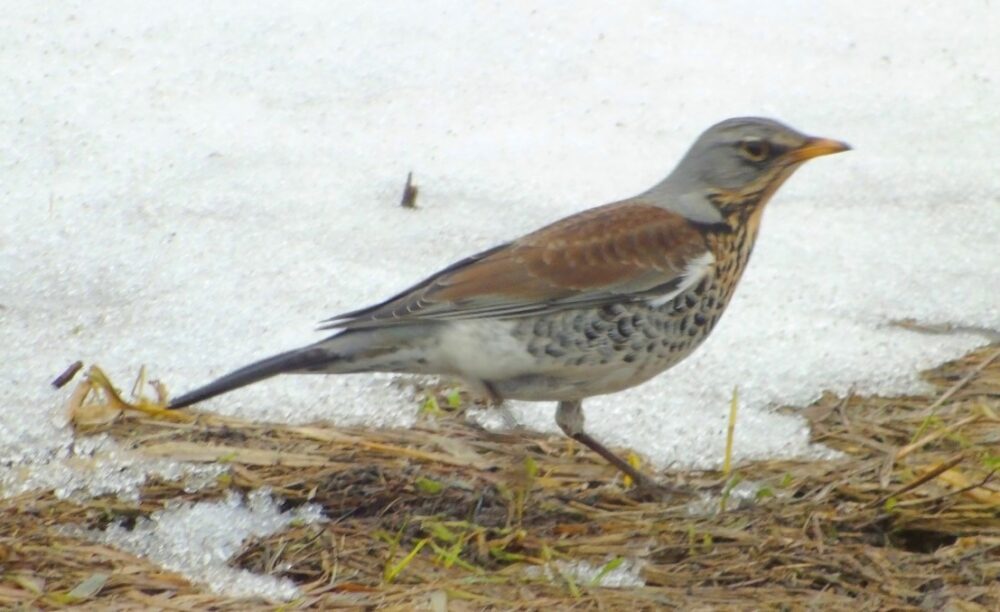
(447, 516)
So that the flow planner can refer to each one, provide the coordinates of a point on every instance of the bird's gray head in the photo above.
(736, 163)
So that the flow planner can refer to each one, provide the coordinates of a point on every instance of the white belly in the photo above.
(482, 350)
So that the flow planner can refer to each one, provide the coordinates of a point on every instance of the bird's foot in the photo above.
(509, 420)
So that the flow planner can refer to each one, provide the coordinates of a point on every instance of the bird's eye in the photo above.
(754, 149)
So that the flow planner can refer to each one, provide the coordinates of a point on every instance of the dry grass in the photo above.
(445, 516)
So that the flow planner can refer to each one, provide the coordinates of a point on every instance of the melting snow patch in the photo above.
(616, 573)
(96, 465)
(743, 494)
(197, 540)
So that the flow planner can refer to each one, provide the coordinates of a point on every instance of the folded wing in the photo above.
(623, 251)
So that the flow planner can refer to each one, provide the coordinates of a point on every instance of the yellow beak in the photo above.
(814, 147)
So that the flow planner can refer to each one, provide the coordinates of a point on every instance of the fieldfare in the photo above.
(594, 303)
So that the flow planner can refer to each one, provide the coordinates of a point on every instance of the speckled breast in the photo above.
(593, 351)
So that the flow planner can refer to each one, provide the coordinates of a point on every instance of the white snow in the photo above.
(96, 465)
(192, 186)
(199, 539)
(617, 573)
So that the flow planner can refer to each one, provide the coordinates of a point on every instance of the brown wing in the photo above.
(628, 250)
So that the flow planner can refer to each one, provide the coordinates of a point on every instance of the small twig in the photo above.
(979, 485)
(64, 378)
(934, 435)
(727, 460)
(931, 500)
(842, 409)
(930, 475)
(940, 329)
(965, 380)
(892, 458)
(409, 193)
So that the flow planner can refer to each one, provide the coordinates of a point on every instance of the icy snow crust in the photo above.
(191, 186)
(198, 540)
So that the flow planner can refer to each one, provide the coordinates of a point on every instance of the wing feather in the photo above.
(628, 250)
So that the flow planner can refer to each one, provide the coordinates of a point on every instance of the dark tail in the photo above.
(307, 358)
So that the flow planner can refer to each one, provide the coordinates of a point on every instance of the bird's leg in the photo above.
(493, 398)
(495, 401)
(569, 417)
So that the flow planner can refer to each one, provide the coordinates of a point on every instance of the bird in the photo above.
(594, 303)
